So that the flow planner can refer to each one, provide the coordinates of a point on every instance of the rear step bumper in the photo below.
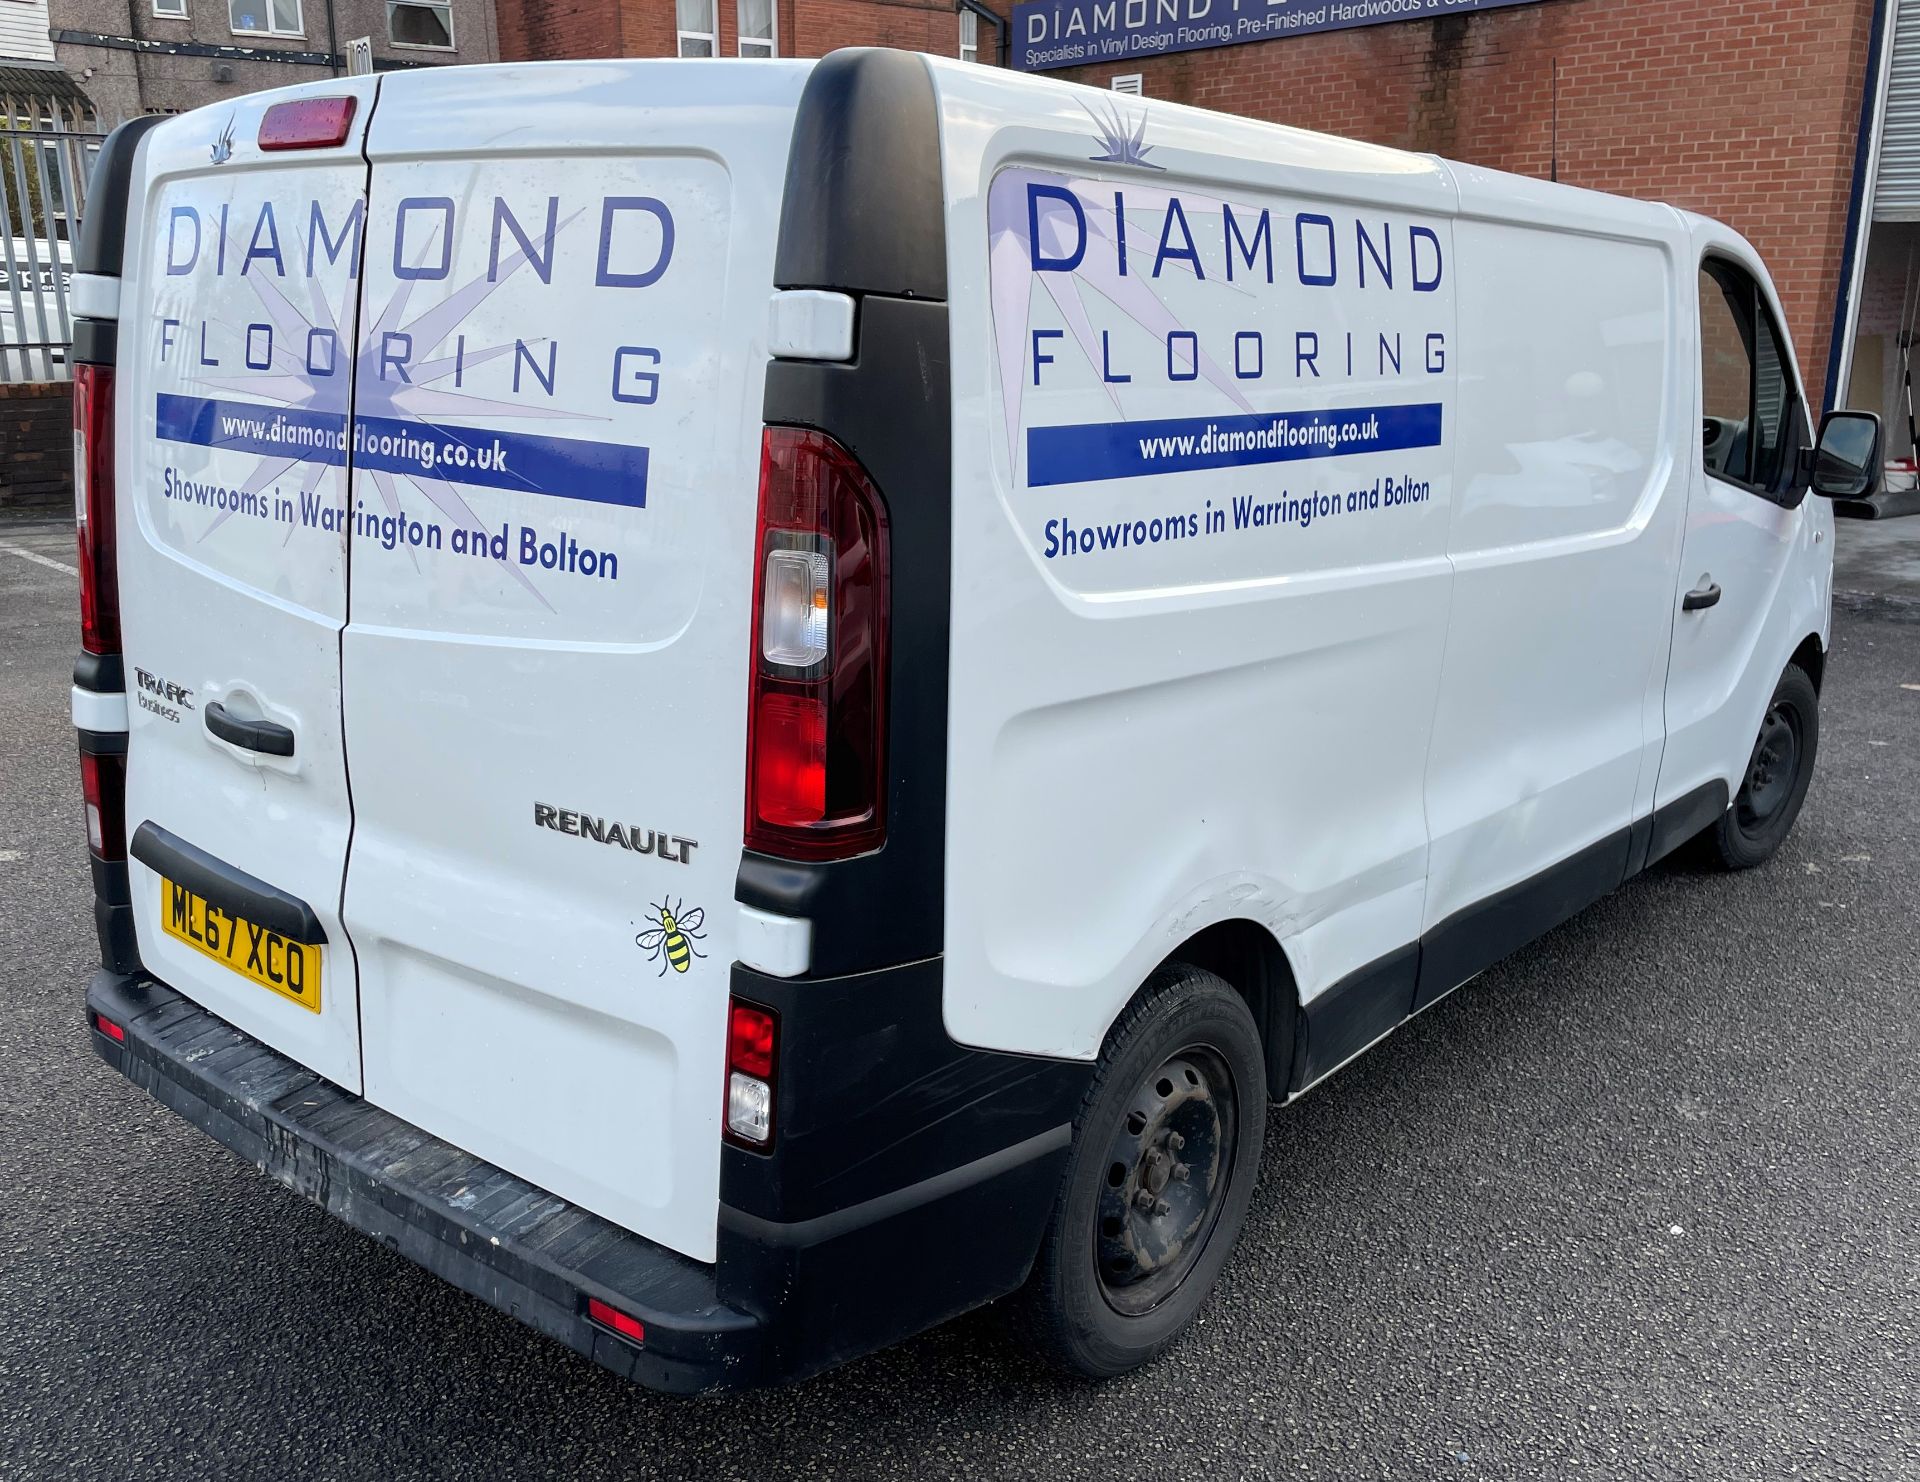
(532, 1255)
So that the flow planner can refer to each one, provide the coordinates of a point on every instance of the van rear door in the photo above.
(236, 328)
(556, 443)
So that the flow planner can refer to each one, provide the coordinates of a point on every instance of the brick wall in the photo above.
(1745, 110)
(806, 28)
(36, 445)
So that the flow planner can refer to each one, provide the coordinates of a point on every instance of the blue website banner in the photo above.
(1069, 33)
(1086, 451)
(560, 467)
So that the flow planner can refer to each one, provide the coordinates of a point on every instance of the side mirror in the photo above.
(1847, 464)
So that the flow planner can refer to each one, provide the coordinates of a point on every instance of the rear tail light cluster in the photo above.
(816, 737)
(93, 508)
(752, 1053)
(103, 783)
(103, 779)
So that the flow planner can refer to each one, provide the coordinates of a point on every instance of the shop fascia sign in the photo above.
(1071, 33)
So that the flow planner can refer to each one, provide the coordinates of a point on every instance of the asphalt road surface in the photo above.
(1642, 1202)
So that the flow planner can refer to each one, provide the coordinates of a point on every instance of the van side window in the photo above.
(1753, 424)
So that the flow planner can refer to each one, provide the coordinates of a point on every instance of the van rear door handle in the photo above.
(1701, 597)
(249, 735)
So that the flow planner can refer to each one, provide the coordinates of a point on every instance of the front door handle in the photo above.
(1701, 597)
(263, 736)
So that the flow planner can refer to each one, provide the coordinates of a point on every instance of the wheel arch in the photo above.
(1249, 958)
(1811, 656)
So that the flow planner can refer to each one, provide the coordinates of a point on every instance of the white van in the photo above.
(777, 701)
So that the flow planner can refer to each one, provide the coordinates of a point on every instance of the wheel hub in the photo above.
(1772, 768)
(1166, 1179)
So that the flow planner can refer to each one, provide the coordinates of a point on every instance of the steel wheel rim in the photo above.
(1772, 769)
(1165, 1180)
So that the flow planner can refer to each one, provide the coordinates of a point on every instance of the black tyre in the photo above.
(1776, 780)
(1165, 1152)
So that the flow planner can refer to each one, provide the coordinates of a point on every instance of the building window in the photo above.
(756, 29)
(414, 24)
(174, 10)
(270, 17)
(699, 28)
(969, 36)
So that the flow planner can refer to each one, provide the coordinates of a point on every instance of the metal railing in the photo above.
(46, 160)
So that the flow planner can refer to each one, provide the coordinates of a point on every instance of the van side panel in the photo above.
(1200, 532)
(1571, 482)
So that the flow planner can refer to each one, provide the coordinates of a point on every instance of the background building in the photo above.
(166, 56)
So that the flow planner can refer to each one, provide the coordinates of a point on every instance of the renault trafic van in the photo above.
(746, 705)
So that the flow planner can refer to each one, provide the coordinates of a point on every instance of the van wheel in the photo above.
(1777, 777)
(1165, 1152)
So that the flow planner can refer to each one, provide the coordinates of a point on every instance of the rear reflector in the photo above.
(93, 508)
(615, 1320)
(307, 123)
(110, 1029)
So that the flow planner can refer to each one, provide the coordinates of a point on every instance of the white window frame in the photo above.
(453, 40)
(969, 36)
(299, 15)
(712, 38)
(178, 12)
(771, 41)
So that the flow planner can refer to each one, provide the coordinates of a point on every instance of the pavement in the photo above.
(1643, 1201)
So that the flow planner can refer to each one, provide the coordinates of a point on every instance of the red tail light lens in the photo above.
(307, 123)
(103, 783)
(816, 739)
(93, 508)
(750, 1040)
(110, 1029)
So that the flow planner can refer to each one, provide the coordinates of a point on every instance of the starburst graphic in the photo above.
(1124, 144)
(421, 398)
(222, 150)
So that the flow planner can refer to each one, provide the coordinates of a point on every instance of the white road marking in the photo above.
(39, 560)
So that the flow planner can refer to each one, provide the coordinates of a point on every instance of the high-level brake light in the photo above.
(307, 123)
(816, 723)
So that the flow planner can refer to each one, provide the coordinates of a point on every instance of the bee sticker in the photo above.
(670, 941)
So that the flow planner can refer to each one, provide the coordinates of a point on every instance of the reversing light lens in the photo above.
(612, 1317)
(749, 1108)
(793, 624)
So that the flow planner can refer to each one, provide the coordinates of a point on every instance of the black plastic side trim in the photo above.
(911, 1177)
(889, 408)
(1685, 817)
(233, 891)
(95, 342)
(864, 211)
(1473, 939)
(103, 233)
(103, 674)
(1344, 1019)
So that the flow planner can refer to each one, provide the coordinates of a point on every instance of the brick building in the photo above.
(1752, 111)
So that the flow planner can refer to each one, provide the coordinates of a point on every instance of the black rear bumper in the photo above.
(788, 1297)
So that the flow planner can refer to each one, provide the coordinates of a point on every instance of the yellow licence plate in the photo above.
(257, 953)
